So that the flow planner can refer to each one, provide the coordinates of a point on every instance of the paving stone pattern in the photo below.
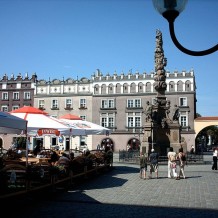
(121, 193)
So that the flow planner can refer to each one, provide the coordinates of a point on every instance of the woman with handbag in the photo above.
(172, 157)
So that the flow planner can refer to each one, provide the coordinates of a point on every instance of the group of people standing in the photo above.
(173, 158)
(153, 160)
(175, 161)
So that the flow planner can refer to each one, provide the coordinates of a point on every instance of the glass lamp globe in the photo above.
(163, 6)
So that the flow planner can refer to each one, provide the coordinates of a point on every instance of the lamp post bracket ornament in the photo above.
(170, 10)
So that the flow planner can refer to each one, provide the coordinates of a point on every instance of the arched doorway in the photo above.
(106, 144)
(133, 144)
(206, 139)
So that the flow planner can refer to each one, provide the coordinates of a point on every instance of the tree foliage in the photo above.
(198, 115)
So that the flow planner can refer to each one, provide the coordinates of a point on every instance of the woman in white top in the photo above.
(172, 156)
(214, 167)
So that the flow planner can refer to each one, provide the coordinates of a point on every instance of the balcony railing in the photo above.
(54, 108)
(134, 108)
(68, 108)
(82, 107)
(108, 108)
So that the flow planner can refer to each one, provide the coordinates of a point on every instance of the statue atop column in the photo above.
(160, 62)
(161, 127)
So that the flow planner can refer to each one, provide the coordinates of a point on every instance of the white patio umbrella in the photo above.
(11, 124)
(75, 131)
(40, 123)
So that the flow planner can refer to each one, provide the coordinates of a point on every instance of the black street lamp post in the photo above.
(170, 10)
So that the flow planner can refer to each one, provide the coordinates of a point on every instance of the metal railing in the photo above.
(129, 156)
(133, 157)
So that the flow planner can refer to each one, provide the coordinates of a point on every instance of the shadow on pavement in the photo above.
(59, 205)
(74, 202)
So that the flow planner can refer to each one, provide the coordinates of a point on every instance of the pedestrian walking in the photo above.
(143, 165)
(182, 161)
(172, 157)
(98, 147)
(153, 159)
(214, 167)
(192, 149)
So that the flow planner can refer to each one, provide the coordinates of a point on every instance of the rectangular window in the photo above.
(4, 95)
(133, 103)
(183, 101)
(110, 103)
(69, 103)
(134, 120)
(54, 103)
(137, 102)
(27, 95)
(41, 103)
(15, 107)
(4, 108)
(82, 103)
(130, 103)
(15, 95)
(82, 140)
(54, 141)
(183, 120)
(104, 104)
(137, 121)
(104, 121)
(107, 103)
(130, 122)
(108, 120)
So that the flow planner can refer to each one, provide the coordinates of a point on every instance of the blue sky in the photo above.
(70, 38)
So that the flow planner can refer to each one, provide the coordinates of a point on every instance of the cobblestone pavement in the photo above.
(121, 193)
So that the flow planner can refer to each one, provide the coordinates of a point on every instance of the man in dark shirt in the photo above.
(153, 159)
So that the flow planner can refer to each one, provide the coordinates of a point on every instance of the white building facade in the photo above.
(117, 102)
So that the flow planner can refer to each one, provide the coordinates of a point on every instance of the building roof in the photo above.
(206, 118)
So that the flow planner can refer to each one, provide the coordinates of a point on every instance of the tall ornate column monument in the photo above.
(161, 127)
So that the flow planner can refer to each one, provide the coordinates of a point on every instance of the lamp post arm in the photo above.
(189, 52)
